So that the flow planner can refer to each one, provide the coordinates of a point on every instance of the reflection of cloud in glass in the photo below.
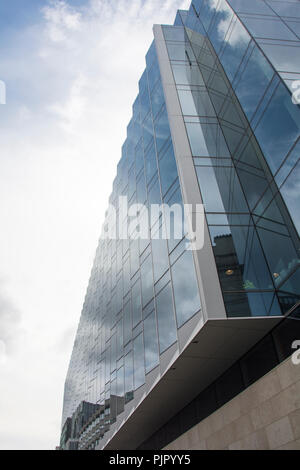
(290, 192)
(165, 318)
(151, 342)
(185, 288)
(238, 34)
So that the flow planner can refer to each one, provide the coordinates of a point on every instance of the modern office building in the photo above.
(173, 341)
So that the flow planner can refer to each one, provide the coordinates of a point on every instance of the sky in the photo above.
(71, 70)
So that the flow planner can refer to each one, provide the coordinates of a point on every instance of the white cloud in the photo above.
(71, 80)
(61, 18)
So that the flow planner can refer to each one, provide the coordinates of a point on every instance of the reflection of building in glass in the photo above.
(231, 275)
(85, 414)
(168, 335)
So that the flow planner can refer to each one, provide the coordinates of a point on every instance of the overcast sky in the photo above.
(71, 70)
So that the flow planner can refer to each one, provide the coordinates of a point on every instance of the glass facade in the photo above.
(136, 299)
(243, 131)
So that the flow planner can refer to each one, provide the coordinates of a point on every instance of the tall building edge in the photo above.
(212, 301)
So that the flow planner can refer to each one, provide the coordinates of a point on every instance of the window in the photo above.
(271, 28)
(290, 193)
(127, 323)
(136, 303)
(128, 377)
(160, 258)
(186, 293)
(151, 342)
(138, 358)
(157, 99)
(150, 162)
(162, 129)
(147, 280)
(168, 169)
(166, 320)
(253, 82)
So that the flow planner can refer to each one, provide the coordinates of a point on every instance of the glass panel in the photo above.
(162, 130)
(160, 258)
(147, 280)
(166, 319)
(107, 365)
(285, 8)
(174, 232)
(148, 309)
(164, 280)
(187, 75)
(221, 25)
(157, 99)
(128, 369)
(236, 45)
(240, 260)
(154, 194)
(153, 74)
(271, 28)
(287, 300)
(120, 390)
(127, 323)
(279, 127)
(151, 342)
(221, 190)
(134, 256)
(147, 131)
(119, 338)
(113, 359)
(126, 276)
(138, 358)
(206, 13)
(250, 304)
(150, 162)
(139, 158)
(197, 140)
(285, 58)
(141, 194)
(176, 51)
(255, 6)
(281, 254)
(253, 82)
(168, 169)
(172, 33)
(144, 104)
(290, 193)
(136, 304)
(186, 292)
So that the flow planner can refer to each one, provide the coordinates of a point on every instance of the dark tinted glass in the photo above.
(259, 361)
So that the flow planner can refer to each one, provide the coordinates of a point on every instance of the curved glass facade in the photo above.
(140, 291)
(243, 133)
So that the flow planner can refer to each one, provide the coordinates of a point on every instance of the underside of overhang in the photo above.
(212, 351)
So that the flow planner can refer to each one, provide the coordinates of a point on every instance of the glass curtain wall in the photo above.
(244, 135)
